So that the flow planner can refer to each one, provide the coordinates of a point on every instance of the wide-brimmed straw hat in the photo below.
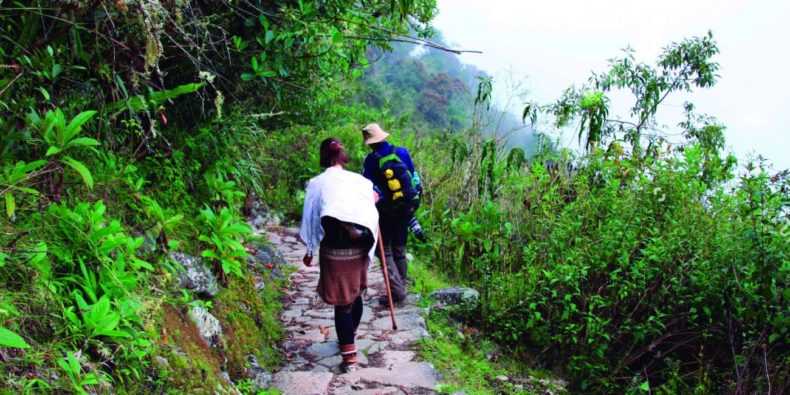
(373, 134)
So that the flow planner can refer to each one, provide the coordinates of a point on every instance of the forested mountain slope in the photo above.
(430, 91)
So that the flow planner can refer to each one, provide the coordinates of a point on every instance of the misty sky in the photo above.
(553, 44)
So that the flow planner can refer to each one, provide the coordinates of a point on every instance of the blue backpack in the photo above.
(396, 183)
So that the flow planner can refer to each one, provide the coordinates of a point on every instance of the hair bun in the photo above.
(332, 152)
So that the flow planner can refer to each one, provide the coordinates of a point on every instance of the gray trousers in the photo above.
(396, 269)
(394, 234)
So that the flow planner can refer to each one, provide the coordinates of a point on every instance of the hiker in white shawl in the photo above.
(340, 220)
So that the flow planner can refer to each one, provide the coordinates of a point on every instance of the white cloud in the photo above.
(560, 43)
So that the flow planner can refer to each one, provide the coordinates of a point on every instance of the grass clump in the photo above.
(460, 358)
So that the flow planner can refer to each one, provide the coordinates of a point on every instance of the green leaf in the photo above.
(269, 37)
(239, 228)
(83, 142)
(90, 379)
(44, 93)
(11, 339)
(10, 205)
(264, 21)
(141, 103)
(52, 151)
(23, 169)
(645, 386)
(40, 254)
(138, 263)
(239, 43)
(64, 365)
(247, 77)
(209, 254)
(76, 124)
(72, 364)
(80, 168)
(29, 190)
(337, 36)
(56, 70)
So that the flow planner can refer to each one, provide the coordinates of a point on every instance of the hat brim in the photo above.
(379, 137)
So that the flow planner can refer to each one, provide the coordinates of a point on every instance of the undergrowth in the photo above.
(467, 360)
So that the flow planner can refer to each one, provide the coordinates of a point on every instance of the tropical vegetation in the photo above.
(132, 130)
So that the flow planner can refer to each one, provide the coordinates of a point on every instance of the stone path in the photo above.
(386, 357)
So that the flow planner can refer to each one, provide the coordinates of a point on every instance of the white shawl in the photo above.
(340, 194)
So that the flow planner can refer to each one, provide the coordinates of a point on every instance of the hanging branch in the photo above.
(406, 38)
(412, 40)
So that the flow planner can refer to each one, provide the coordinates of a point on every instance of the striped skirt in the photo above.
(344, 274)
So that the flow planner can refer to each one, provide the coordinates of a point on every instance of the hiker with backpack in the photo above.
(396, 184)
(340, 220)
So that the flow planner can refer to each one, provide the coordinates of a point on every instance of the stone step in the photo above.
(386, 357)
(302, 383)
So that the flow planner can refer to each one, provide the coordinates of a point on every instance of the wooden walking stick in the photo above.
(387, 281)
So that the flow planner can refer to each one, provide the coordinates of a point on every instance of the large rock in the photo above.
(261, 216)
(277, 273)
(302, 383)
(268, 255)
(411, 376)
(260, 377)
(209, 326)
(195, 276)
(265, 254)
(388, 358)
(405, 322)
(323, 350)
(456, 296)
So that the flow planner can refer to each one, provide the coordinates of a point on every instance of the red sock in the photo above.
(349, 353)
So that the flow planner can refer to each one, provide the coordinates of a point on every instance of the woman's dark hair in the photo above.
(332, 153)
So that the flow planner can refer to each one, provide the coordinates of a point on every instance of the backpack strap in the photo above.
(382, 159)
